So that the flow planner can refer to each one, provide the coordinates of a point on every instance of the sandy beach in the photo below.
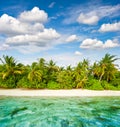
(58, 93)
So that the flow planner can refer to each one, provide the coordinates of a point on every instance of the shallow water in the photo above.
(59, 112)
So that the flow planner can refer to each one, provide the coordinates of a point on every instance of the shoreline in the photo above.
(58, 93)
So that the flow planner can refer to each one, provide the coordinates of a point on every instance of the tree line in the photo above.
(42, 74)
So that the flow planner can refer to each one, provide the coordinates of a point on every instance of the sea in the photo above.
(59, 111)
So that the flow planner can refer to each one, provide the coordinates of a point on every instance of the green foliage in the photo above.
(8, 83)
(23, 83)
(107, 86)
(80, 74)
(9, 73)
(65, 79)
(94, 84)
(53, 85)
(42, 74)
(116, 83)
(105, 69)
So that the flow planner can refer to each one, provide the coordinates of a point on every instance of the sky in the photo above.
(66, 31)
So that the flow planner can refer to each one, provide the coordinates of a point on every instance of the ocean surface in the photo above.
(59, 112)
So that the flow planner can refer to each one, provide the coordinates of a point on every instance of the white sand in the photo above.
(59, 93)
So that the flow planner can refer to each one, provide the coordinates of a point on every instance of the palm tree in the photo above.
(52, 70)
(42, 63)
(10, 68)
(34, 75)
(105, 69)
(81, 73)
(52, 66)
(109, 70)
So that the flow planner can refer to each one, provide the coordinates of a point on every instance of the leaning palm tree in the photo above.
(105, 69)
(10, 68)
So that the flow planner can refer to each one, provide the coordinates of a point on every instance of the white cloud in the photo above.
(31, 48)
(4, 47)
(11, 26)
(111, 44)
(91, 43)
(51, 5)
(88, 19)
(27, 29)
(72, 38)
(91, 14)
(110, 11)
(78, 53)
(96, 44)
(35, 15)
(110, 27)
(41, 39)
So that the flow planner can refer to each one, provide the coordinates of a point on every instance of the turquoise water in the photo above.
(59, 112)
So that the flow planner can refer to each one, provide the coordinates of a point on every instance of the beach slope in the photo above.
(58, 93)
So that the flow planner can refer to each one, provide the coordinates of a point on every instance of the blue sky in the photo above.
(66, 31)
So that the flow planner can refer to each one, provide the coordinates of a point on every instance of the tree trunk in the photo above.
(101, 77)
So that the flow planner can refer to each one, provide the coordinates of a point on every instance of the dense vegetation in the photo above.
(101, 75)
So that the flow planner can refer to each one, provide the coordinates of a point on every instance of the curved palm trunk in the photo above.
(101, 76)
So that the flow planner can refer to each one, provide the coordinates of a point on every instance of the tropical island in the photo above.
(102, 75)
(60, 63)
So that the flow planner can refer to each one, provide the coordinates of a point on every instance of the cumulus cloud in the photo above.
(72, 38)
(111, 44)
(11, 26)
(96, 44)
(35, 15)
(88, 19)
(27, 29)
(110, 27)
(41, 39)
(91, 43)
